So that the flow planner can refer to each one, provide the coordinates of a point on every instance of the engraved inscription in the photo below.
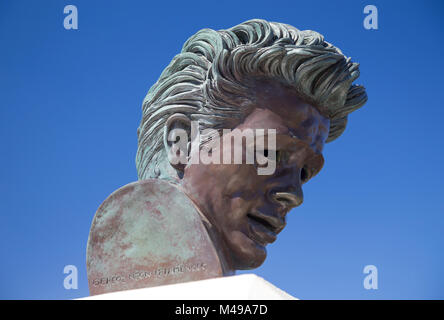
(157, 273)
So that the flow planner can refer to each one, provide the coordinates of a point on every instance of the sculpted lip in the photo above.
(272, 222)
(264, 227)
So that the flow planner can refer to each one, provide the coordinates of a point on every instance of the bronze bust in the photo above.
(193, 219)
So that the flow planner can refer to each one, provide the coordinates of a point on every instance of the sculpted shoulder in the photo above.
(148, 233)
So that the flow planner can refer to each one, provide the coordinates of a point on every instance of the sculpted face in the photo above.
(246, 210)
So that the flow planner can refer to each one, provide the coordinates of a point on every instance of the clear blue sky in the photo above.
(70, 104)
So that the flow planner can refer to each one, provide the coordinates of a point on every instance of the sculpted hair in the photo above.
(206, 81)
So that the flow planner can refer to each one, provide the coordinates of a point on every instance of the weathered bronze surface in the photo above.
(195, 220)
(148, 233)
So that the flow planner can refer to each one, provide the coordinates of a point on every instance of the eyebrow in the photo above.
(295, 140)
(298, 142)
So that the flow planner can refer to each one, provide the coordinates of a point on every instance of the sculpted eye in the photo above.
(282, 156)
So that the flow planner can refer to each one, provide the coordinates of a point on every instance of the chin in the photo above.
(246, 253)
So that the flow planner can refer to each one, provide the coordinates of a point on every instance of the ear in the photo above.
(177, 140)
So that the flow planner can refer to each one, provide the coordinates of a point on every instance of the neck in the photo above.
(216, 239)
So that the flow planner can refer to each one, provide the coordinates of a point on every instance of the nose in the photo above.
(289, 199)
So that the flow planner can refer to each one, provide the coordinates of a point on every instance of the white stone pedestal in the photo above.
(240, 287)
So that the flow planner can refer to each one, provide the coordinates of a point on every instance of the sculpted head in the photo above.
(257, 75)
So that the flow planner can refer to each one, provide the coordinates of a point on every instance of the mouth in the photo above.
(264, 228)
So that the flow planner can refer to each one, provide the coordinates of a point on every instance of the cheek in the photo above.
(212, 185)
(224, 188)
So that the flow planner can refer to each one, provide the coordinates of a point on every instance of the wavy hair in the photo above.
(205, 81)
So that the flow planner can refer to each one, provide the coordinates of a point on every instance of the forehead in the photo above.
(279, 107)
